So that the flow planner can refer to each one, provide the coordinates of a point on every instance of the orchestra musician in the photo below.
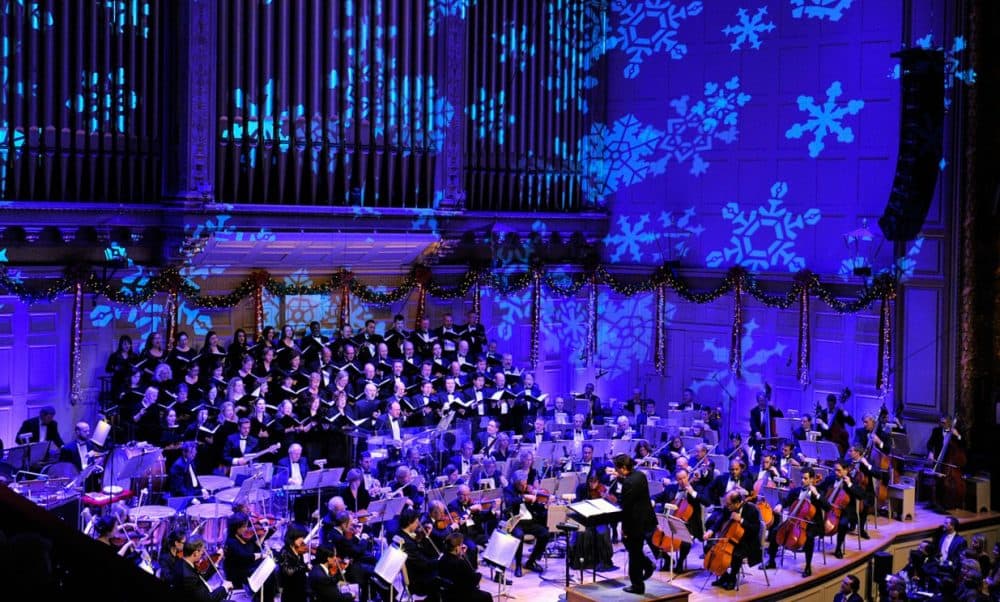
(322, 583)
(421, 555)
(859, 463)
(762, 421)
(622, 428)
(840, 481)
(582, 544)
(291, 470)
(748, 547)
(790, 458)
(595, 412)
(170, 557)
(638, 521)
(515, 497)
(644, 455)
(442, 524)
(355, 495)
(475, 522)
(352, 544)
(672, 452)
(578, 432)
(833, 421)
(460, 575)
(702, 467)
(81, 452)
(243, 553)
(489, 477)
(501, 451)
(538, 434)
(935, 442)
(801, 432)
(869, 432)
(465, 461)
(737, 479)
(673, 494)
(293, 571)
(183, 480)
(239, 445)
(488, 438)
(403, 484)
(191, 584)
(736, 450)
(807, 492)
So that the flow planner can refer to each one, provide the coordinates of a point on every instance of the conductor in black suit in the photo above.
(239, 444)
(44, 425)
(638, 521)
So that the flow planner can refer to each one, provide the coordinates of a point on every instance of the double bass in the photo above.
(838, 433)
(719, 557)
(947, 467)
(880, 460)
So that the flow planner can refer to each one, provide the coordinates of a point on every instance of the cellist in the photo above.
(796, 501)
(747, 547)
(860, 464)
(683, 490)
(842, 494)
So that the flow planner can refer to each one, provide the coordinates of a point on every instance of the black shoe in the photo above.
(807, 572)
(531, 565)
(680, 568)
(648, 571)
(771, 566)
(518, 572)
(838, 553)
(606, 568)
(730, 584)
(865, 535)
(667, 562)
(718, 582)
(632, 589)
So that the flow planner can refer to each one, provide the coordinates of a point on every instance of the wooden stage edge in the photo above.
(785, 583)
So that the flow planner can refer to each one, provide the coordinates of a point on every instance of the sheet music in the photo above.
(259, 576)
(589, 508)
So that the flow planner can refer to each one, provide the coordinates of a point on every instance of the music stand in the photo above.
(139, 465)
(592, 513)
(318, 479)
(18, 456)
(677, 529)
(260, 575)
(822, 451)
(390, 564)
(38, 452)
(500, 552)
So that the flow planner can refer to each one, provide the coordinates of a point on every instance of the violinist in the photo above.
(644, 455)
(171, 552)
(842, 493)
(638, 521)
(490, 477)
(676, 493)
(790, 458)
(352, 544)
(443, 524)
(798, 500)
(404, 485)
(292, 566)
(736, 449)
(738, 479)
(748, 546)
(191, 584)
(702, 467)
(421, 555)
(459, 573)
(516, 496)
(577, 432)
(582, 544)
(325, 579)
(243, 553)
(475, 522)
(673, 451)
(861, 466)
(355, 495)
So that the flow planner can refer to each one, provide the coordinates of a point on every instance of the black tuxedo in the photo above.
(324, 587)
(757, 423)
(284, 470)
(421, 563)
(179, 482)
(937, 440)
(529, 436)
(70, 453)
(32, 426)
(717, 488)
(955, 551)
(231, 450)
(192, 587)
(749, 545)
(462, 579)
(638, 523)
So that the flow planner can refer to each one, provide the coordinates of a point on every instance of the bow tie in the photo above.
(243, 438)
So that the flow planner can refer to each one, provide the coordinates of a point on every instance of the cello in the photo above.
(838, 499)
(792, 533)
(880, 460)
(719, 557)
(683, 512)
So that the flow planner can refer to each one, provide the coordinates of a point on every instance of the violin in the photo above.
(208, 562)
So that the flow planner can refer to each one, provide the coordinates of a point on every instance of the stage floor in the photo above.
(549, 586)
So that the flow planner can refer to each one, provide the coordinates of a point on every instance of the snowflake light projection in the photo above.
(903, 267)
(764, 239)
(148, 317)
(514, 44)
(105, 99)
(832, 10)
(458, 9)
(620, 156)
(3, 255)
(825, 119)
(748, 30)
(649, 27)
(696, 127)
(572, 62)
(39, 19)
(425, 219)
(952, 65)
(754, 362)
(299, 310)
(128, 14)
(633, 240)
(489, 116)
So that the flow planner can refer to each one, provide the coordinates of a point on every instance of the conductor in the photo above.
(638, 521)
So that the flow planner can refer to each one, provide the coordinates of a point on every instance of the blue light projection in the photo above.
(128, 14)
(514, 44)
(458, 9)
(953, 70)
(572, 62)
(832, 10)
(764, 239)
(649, 27)
(696, 127)
(754, 362)
(105, 99)
(39, 19)
(632, 239)
(749, 28)
(825, 119)
(903, 267)
(489, 116)
(300, 310)
(3, 255)
(147, 317)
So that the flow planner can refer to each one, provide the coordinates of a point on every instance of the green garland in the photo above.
(170, 279)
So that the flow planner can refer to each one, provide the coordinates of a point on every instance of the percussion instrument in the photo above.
(213, 521)
(153, 522)
(228, 496)
(214, 483)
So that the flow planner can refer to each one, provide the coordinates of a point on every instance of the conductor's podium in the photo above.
(611, 591)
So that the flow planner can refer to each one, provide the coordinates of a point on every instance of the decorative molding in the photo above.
(454, 86)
